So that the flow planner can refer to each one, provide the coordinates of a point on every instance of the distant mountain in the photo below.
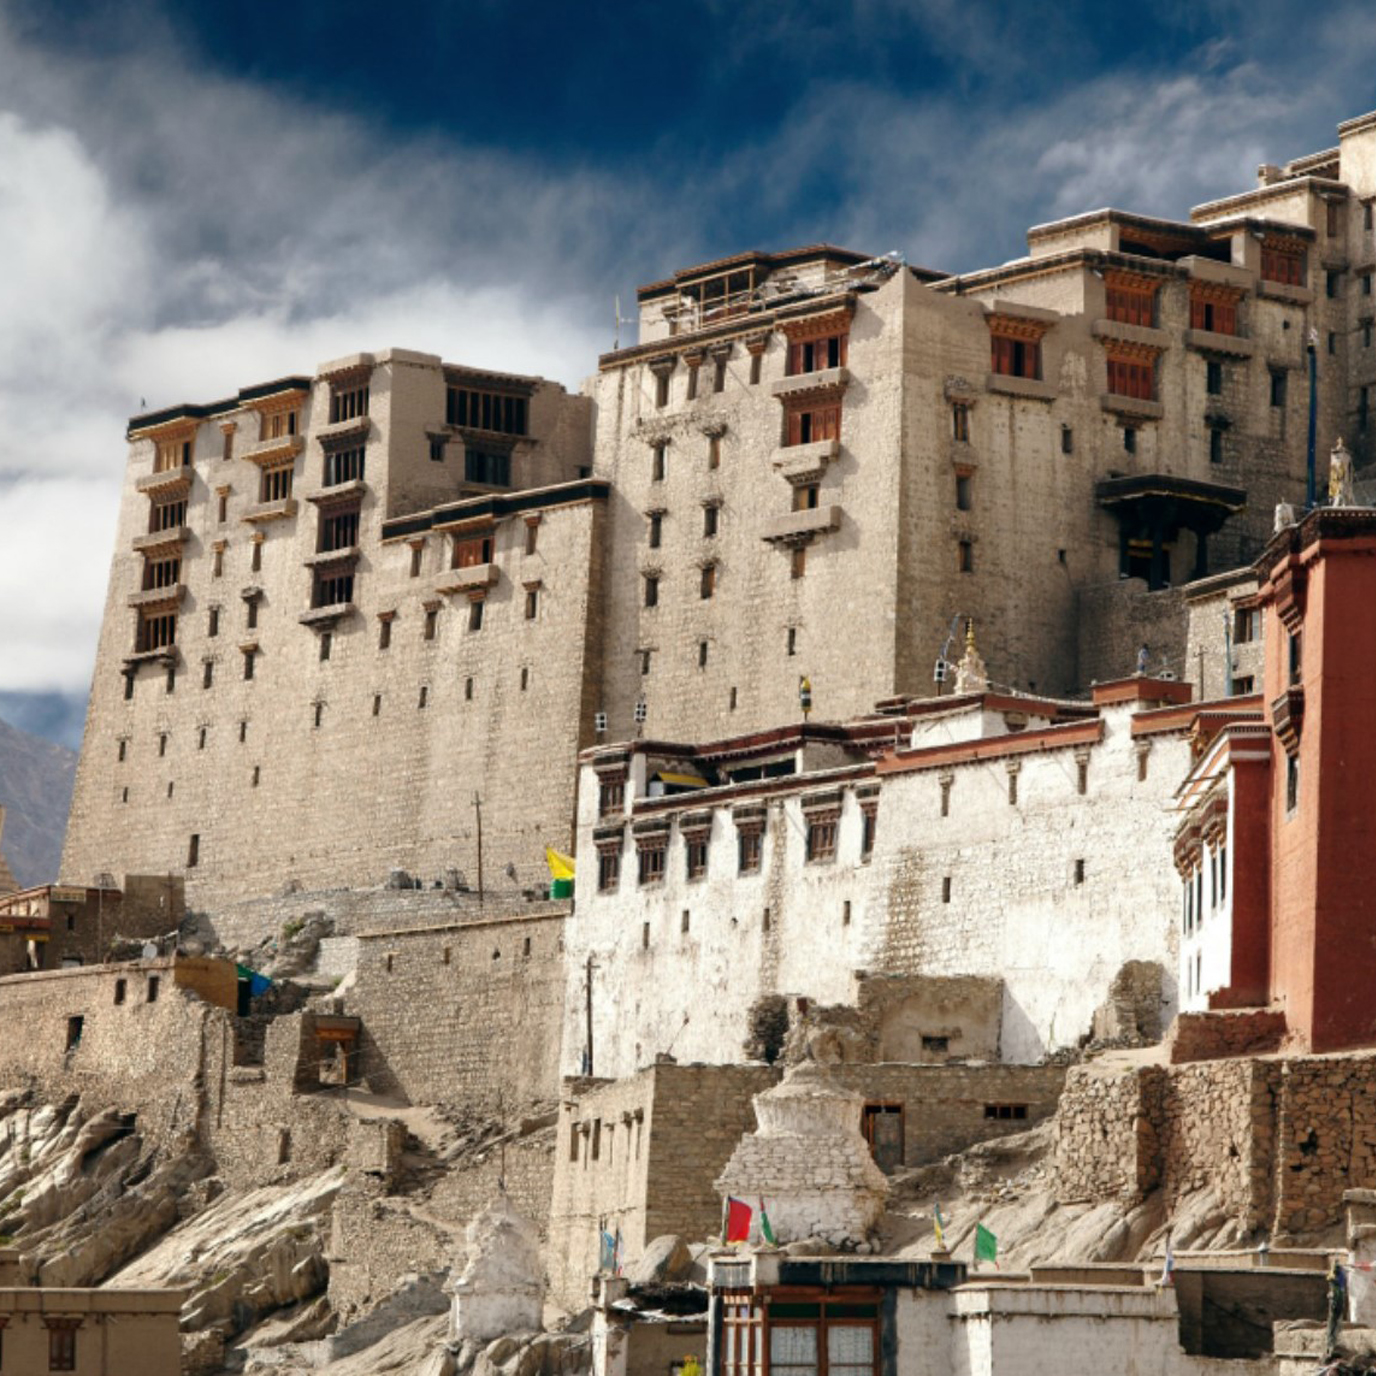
(36, 792)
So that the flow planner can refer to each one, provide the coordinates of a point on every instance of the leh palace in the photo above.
(842, 848)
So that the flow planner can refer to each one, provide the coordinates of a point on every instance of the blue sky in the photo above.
(199, 196)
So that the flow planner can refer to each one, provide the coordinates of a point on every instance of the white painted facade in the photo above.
(1048, 865)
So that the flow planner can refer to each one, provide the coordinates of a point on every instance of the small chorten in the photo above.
(970, 672)
(501, 1289)
(808, 1161)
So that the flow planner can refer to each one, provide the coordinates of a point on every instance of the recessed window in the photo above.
(437, 448)
(658, 463)
(946, 889)
(719, 373)
(384, 633)
(707, 581)
(347, 465)
(525, 678)
(243, 732)
(475, 614)
(121, 990)
(1130, 439)
(692, 390)
(695, 854)
(532, 536)
(1278, 379)
(488, 467)
(377, 704)
(162, 744)
(256, 777)
(965, 556)
(1079, 871)
(468, 690)
(702, 654)
(250, 658)
(1331, 281)
(731, 700)
(1012, 357)
(1215, 444)
(348, 401)
(208, 673)
(792, 642)
(821, 838)
(424, 698)
(684, 921)
(960, 421)
(749, 850)
(498, 412)
(1067, 440)
(432, 621)
(963, 499)
(193, 851)
(714, 451)
(812, 425)
(798, 562)
(709, 521)
(154, 987)
(662, 388)
(123, 750)
(1213, 378)
(651, 590)
(416, 551)
(532, 603)
(326, 644)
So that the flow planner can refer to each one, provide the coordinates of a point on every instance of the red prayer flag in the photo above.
(738, 1215)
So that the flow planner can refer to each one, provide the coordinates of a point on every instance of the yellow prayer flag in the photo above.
(560, 866)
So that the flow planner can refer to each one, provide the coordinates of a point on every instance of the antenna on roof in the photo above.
(943, 660)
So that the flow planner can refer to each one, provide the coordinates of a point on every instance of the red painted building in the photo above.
(1278, 847)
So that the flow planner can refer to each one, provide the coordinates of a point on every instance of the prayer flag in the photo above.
(738, 1216)
(606, 1258)
(939, 1227)
(560, 866)
(986, 1245)
(1168, 1270)
(766, 1232)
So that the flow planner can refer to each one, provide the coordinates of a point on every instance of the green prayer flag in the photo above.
(986, 1245)
(766, 1231)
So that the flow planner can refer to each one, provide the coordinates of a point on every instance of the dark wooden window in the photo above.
(1218, 317)
(332, 587)
(348, 402)
(608, 868)
(1282, 264)
(695, 854)
(652, 864)
(1131, 377)
(339, 530)
(488, 467)
(1016, 357)
(477, 410)
(960, 421)
(749, 850)
(344, 466)
(812, 355)
(1131, 305)
(473, 552)
(275, 485)
(157, 631)
(821, 838)
(810, 426)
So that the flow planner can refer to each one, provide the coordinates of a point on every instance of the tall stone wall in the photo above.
(463, 1013)
(328, 768)
(1116, 619)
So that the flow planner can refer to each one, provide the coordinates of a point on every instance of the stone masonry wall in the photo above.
(462, 1013)
(1278, 1140)
(945, 1105)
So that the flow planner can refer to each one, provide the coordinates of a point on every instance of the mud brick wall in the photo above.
(944, 1105)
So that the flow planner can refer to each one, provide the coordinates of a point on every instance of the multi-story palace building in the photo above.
(366, 620)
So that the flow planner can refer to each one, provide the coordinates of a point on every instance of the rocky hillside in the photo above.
(36, 792)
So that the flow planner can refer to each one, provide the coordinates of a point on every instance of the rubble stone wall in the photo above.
(1107, 1134)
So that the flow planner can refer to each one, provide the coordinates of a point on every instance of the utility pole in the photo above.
(478, 810)
(1310, 490)
(587, 1054)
